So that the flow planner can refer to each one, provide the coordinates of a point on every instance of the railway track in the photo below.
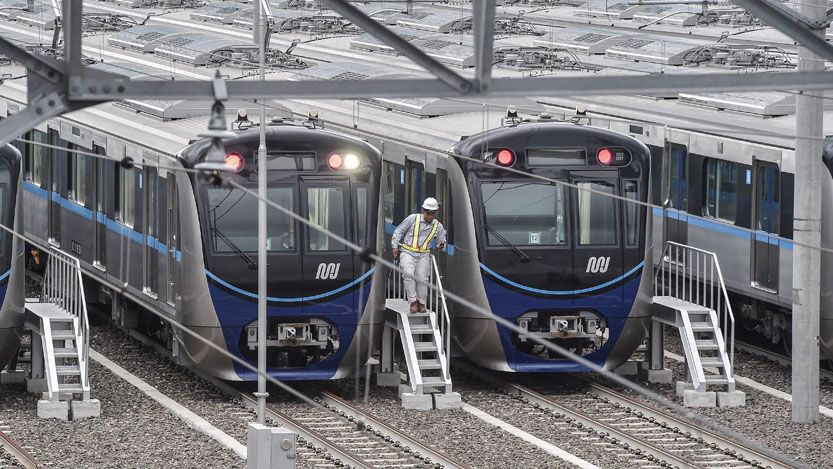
(13, 454)
(778, 358)
(658, 437)
(352, 437)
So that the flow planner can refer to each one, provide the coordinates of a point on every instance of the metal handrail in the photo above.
(64, 287)
(441, 307)
(691, 267)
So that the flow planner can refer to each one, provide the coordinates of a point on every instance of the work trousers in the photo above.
(419, 265)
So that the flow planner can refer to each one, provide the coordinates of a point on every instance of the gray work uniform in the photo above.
(417, 264)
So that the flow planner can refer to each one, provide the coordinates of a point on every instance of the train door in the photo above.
(415, 187)
(327, 264)
(150, 262)
(99, 216)
(172, 240)
(54, 181)
(598, 249)
(676, 193)
(766, 218)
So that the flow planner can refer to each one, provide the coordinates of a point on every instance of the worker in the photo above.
(419, 230)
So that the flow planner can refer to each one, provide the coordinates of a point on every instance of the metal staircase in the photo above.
(60, 330)
(689, 294)
(425, 336)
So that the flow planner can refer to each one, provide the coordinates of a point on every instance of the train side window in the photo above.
(126, 195)
(596, 213)
(78, 176)
(721, 190)
(679, 176)
(34, 157)
(325, 208)
(631, 192)
(524, 213)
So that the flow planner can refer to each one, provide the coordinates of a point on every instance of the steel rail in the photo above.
(586, 420)
(708, 436)
(18, 452)
(717, 442)
(250, 402)
(777, 357)
(436, 456)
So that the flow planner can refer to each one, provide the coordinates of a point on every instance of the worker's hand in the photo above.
(395, 253)
(441, 246)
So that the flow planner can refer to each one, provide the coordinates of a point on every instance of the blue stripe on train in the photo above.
(290, 300)
(724, 228)
(112, 225)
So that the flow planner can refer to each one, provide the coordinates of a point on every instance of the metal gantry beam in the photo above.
(420, 87)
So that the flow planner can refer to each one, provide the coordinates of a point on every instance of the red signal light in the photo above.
(605, 156)
(234, 161)
(505, 157)
(335, 161)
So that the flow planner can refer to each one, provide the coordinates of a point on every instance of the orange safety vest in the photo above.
(415, 247)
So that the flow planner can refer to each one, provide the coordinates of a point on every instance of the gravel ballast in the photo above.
(132, 431)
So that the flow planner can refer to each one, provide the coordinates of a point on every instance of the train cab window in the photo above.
(78, 177)
(721, 190)
(596, 213)
(631, 192)
(35, 157)
(126, 195)
(232, 220)
(325, 208)
(524, 213)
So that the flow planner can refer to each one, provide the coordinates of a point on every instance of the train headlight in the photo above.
(234, 161)
(351, 161)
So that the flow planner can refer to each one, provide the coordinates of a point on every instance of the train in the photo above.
(12, 266)
(176, 239)
(565, 263)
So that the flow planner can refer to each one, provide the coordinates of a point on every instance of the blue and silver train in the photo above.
(11, 257)
(179, 243)
(565, 263)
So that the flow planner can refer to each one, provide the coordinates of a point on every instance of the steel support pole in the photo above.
(261, 232)
(807, 231)
(484, 36)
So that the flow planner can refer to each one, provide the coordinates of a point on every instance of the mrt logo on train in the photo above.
(327, 271)
(598, 264)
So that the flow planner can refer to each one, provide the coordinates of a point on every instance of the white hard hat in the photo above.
(431, 204)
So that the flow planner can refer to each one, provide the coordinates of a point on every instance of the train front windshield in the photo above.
(524, 213)
(233, 228)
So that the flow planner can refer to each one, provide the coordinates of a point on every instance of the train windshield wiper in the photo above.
(521, 255)
(234, 247)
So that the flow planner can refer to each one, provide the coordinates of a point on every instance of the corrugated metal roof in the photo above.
(584, 40)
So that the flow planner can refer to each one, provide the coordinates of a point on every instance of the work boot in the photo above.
(415, 307)
(421, 308)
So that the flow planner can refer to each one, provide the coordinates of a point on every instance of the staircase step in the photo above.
(706, 345)
(711, 380)
(712, 361)
(422, 329)
(63, 334)
(425, 347)
(61, 319)
(71, 387)
(701, 326)
(65, 353)
(429, 364)
(65, 370)
(433, 381)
